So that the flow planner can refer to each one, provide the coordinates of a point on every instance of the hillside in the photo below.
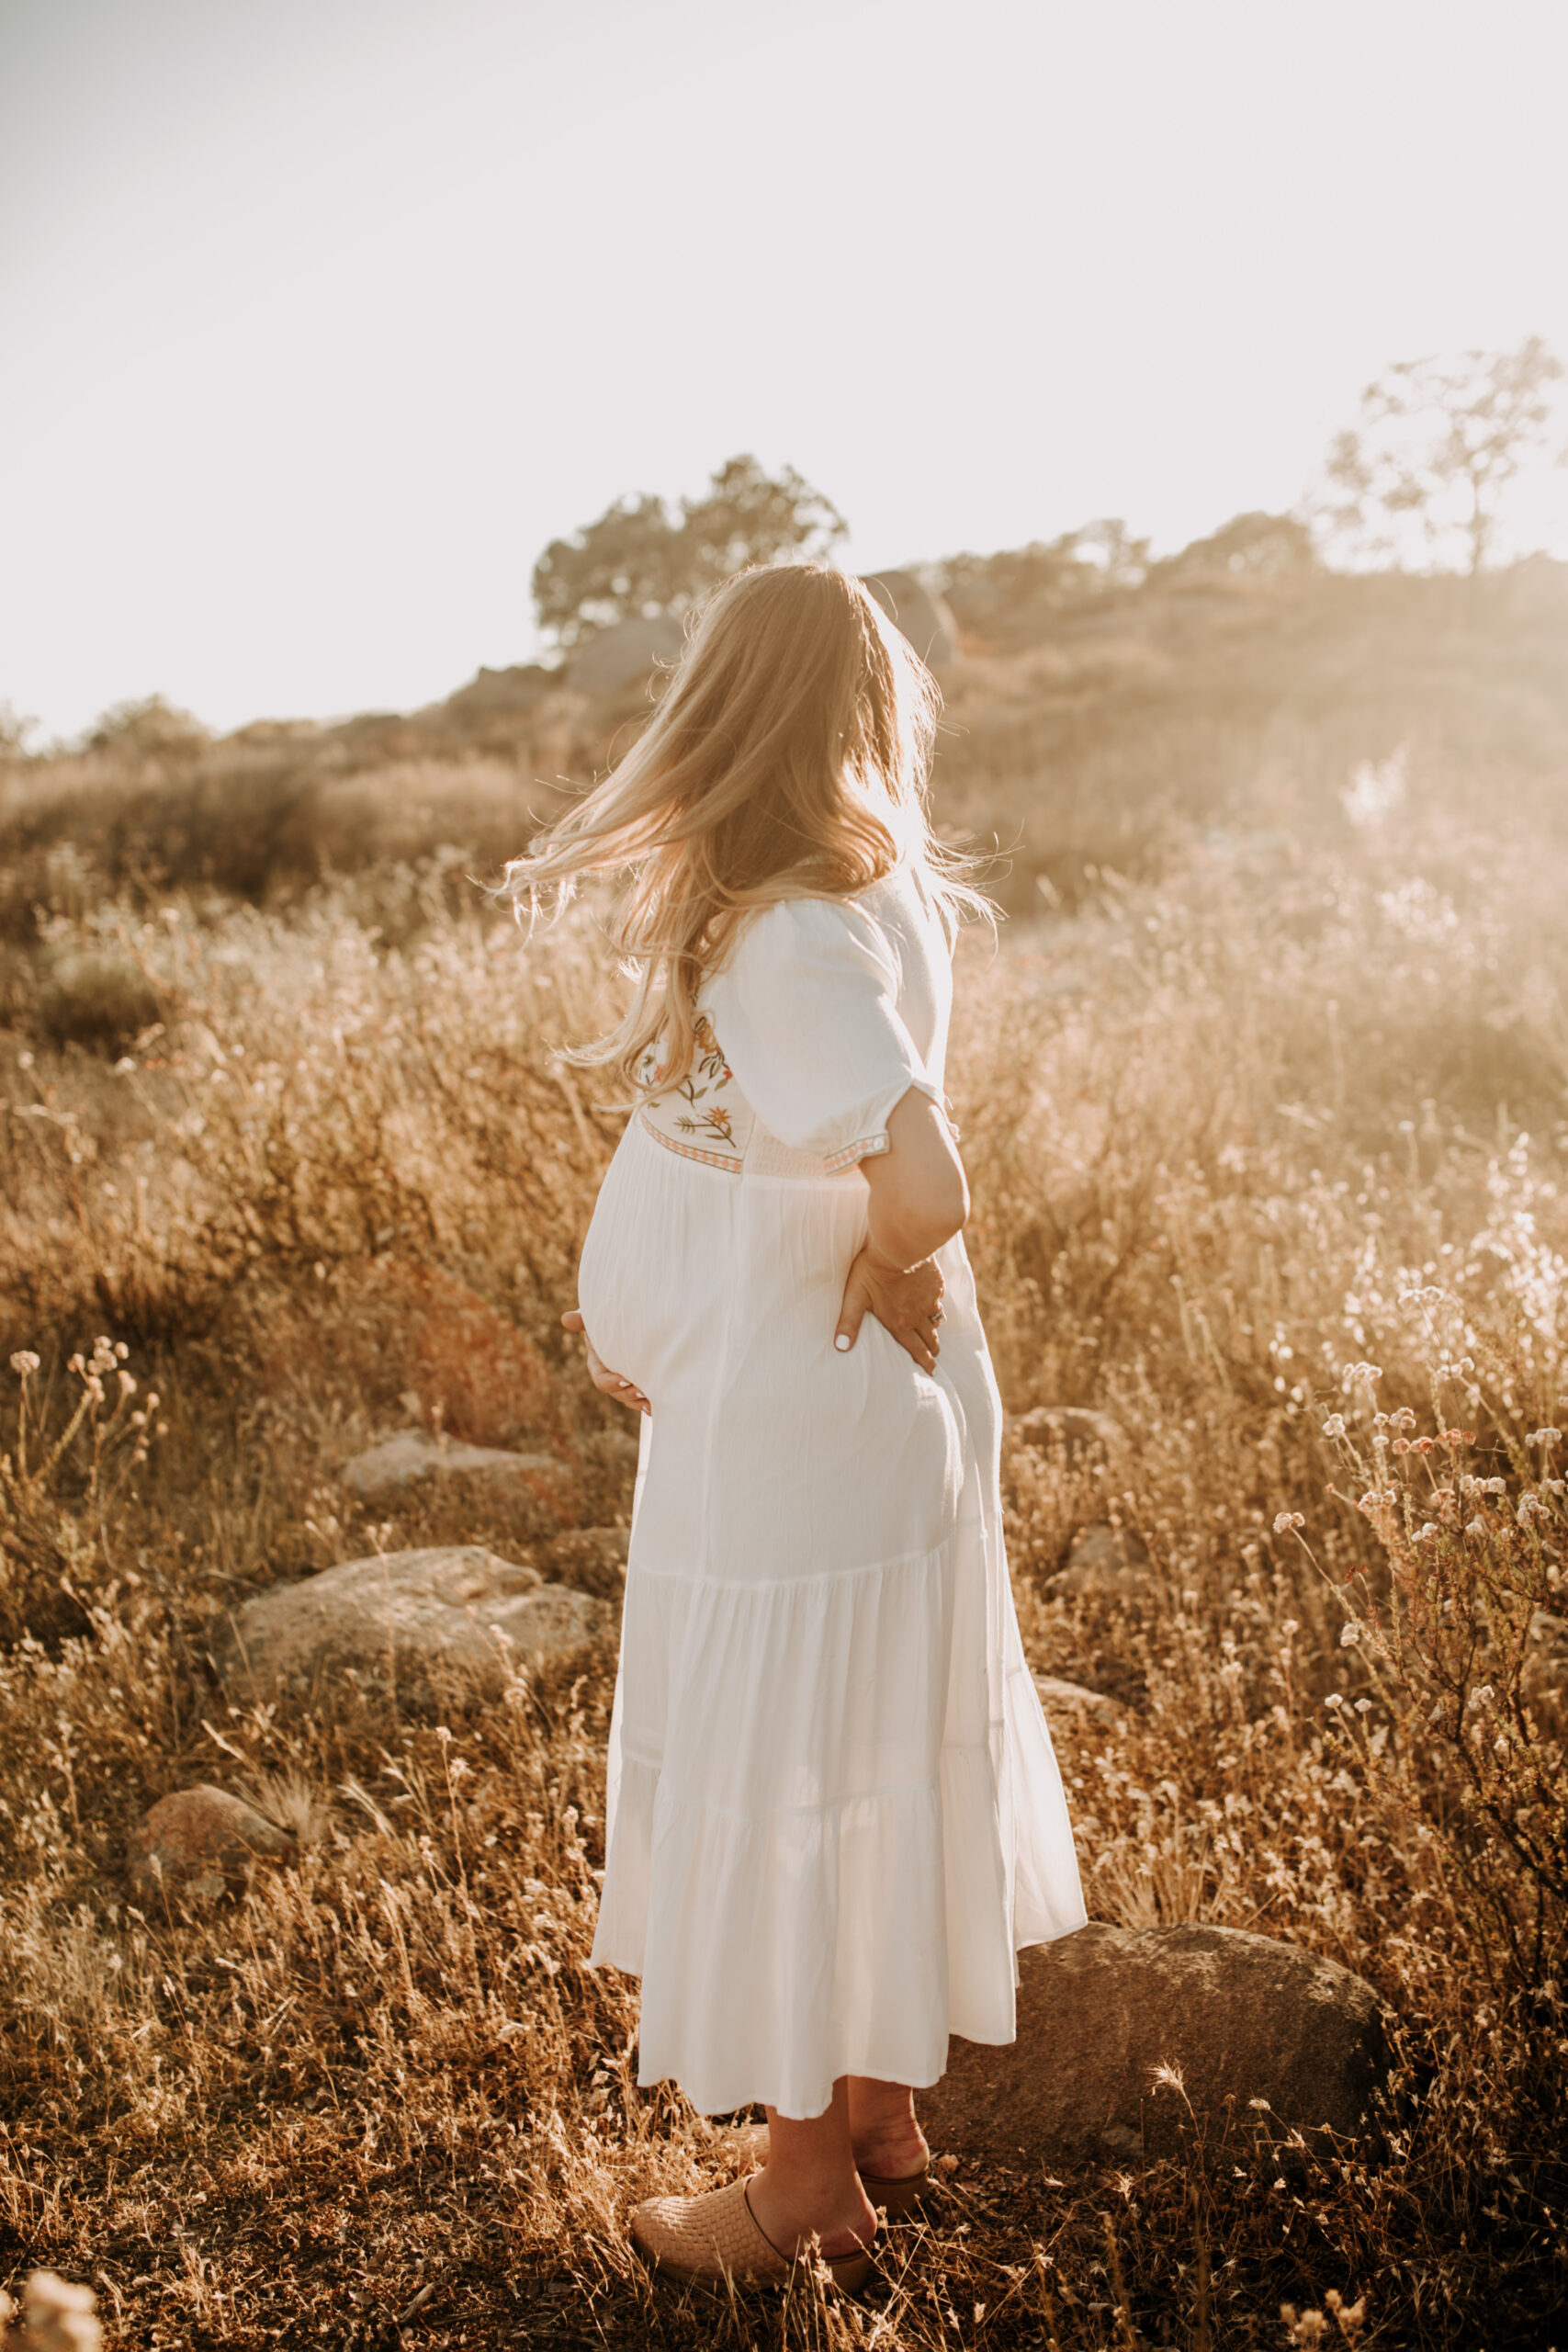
(1219, 700)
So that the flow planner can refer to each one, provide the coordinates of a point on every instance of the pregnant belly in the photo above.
(773, 1454)
(656, 1263)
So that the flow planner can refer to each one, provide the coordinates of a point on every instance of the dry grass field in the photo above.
(1264, 1099)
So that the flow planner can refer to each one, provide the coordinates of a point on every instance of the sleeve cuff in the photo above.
(873, 1144)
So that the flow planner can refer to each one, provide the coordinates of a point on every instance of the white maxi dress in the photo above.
(834, 1814)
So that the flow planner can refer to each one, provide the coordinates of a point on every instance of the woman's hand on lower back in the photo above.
(906, 1301)
(608, 1383)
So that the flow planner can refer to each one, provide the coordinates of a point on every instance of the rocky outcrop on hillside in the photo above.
(625, 655)
(919, 613)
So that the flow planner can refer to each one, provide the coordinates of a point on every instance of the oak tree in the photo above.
(1434, 447)
(639, 558)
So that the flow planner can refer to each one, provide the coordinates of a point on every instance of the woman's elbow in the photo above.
(920, 1183)
(944, 1212)
(954, 1215)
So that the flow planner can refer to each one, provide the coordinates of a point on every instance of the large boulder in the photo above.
(1075, 1699)
(413, 1455)
(409, 1620)
(1242, 2017)
(1071, 1431)
(625, 653)
(1106, 1560)
(923, 617)
(198, 1841)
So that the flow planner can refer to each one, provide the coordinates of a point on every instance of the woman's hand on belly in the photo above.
(608, 1383)
(906, 1301)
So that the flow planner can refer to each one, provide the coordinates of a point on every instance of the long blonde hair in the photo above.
(789, 757)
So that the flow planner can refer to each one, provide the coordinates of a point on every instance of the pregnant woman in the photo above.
(834, 1814)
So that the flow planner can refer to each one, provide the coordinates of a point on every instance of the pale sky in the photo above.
(322, 316)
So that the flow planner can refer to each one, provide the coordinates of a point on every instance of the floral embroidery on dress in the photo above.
(704, 1110)
(707, 1117)
(712, 1118)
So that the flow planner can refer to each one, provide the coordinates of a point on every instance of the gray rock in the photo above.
(402, 1461)
(493, 693)
(922, 616)
(1073, 1698)
(408, 1622)
(622, 655)
(198, 1841)
(1077, 1433)
(1243, 2017)
(1105, 1559)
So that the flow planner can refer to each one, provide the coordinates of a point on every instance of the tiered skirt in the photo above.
(834, 1814)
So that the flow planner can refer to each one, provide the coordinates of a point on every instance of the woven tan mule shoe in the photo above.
(717, 2236)
(747, 2144)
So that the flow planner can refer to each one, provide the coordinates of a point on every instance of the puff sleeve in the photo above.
(806, 1014)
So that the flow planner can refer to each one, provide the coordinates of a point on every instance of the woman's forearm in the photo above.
(919, 1195)
(901, 1236)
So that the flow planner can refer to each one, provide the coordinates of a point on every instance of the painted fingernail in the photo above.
(842, 1341)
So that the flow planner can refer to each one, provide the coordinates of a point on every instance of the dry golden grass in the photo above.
(1228, 1135)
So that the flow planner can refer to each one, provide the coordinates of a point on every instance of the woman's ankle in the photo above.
(888, 2141)
(791, 2216)
(894, 2152)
